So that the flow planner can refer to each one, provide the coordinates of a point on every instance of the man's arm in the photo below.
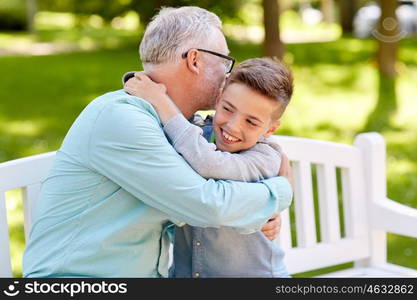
(128, 146)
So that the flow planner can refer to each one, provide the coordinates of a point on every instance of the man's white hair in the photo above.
(173, 31)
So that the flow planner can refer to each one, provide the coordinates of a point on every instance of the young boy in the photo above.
(247, 114)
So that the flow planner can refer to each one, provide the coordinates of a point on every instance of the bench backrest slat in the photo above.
(304, 205)
(27, 174)
(5, 262)
(30, 195)
(25, 171)
(333, 247)
(328, 209)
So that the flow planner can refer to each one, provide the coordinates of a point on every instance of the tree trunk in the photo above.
(388, 35)
(327, 9)
(273, 46)
(31, 8)
(388, 38)
(347, 10)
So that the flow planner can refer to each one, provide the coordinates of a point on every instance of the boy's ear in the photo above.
(192, 61)
(274, 126)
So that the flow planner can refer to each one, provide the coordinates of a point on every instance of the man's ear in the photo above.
(274, 126)
(192, 61)
(218, 101)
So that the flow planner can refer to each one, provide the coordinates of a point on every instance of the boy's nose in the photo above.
(233, 125)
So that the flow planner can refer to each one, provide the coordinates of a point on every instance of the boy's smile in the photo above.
(228, 138)
(242, 117)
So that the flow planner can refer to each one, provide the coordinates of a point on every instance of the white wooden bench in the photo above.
(367, 213)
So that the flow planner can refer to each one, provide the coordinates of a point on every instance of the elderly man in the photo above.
(117, 185)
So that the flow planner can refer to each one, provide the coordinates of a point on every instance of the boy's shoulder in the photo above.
(269, 142)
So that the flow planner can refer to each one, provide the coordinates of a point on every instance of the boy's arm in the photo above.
(260, 162)
(140, 85)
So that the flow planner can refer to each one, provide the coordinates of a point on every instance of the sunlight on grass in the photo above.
(58, 20)
(16, 39)
(404, 167)
(22, 128)
(131, 21)
(407, 89)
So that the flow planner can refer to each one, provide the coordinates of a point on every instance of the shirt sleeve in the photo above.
(128, 146)
(257, 163)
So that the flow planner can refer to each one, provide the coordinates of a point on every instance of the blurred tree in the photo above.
(388, 35)
(224, 9)
(105, 8)
(327, 9)
(31, 8)
(108, 9)
(13, 15)
(347, 10)
(273, 45)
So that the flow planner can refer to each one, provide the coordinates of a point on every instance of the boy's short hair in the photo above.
(267, 76)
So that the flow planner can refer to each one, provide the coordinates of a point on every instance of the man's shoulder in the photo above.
(121, 100)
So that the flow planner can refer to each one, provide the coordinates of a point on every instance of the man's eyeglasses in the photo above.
(228, 60)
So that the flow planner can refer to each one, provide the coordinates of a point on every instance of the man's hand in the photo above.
(273, 227)
(285, 170)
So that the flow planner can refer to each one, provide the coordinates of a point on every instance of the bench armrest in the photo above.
(394, 217)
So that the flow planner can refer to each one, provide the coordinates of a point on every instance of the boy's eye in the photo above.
(251, 123)
(226, 108)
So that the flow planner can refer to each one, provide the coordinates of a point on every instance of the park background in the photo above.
(353, 73)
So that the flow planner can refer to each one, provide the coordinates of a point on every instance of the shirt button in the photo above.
(198, 243)
(196, 274)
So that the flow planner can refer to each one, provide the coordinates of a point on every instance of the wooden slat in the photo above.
(354, 202)
(5, 262)
(284, 237)
(25, 171)
(304, 206)
(328, 203)
(30, 197)
(316, 151)
(326, 254)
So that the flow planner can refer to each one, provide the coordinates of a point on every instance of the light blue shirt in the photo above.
(114, 189)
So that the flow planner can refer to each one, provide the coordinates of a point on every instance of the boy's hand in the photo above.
(285, 170)
(155, 93)
(143, 87)
(273, 227)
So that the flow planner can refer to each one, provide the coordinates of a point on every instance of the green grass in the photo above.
(335, 90)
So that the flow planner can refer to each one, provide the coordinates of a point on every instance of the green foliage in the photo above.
(13, 15)
(108, 9)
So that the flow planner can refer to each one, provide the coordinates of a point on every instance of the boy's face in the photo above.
(242, 117)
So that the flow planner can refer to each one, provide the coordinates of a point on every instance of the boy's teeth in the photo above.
(230, 138)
